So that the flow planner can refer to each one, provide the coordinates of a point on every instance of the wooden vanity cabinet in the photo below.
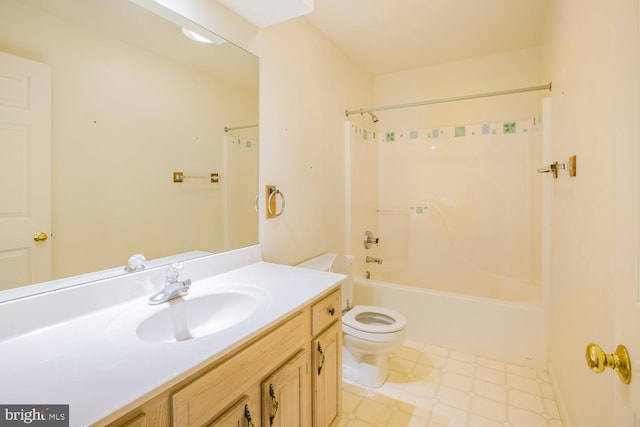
(276, 380)
(204, 398)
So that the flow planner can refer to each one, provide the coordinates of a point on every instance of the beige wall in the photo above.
(306, 84)
(587, 55)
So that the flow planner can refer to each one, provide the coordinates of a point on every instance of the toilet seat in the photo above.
(376, 320)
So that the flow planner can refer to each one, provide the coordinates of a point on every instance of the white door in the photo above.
(627, 288)
(25, 171)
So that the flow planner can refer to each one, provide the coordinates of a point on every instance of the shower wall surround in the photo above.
(452, 205)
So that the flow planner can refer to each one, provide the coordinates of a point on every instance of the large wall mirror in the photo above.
(133, 100)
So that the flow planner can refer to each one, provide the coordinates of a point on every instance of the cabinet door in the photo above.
(327, 377)
(283, 395)
(239, 415)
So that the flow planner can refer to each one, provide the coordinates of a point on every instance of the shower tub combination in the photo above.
(458, 238)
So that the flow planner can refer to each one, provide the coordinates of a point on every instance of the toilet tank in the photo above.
(335, 263)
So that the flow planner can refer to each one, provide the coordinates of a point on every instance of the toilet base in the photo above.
(370, 370)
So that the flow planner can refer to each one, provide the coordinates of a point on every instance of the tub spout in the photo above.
(374, 260)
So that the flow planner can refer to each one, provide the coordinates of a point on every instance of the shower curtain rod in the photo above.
(227, 129)
(456, 98)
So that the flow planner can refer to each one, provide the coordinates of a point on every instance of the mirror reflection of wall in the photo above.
(125, 115)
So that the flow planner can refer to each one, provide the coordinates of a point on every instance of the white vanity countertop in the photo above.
(91, 363)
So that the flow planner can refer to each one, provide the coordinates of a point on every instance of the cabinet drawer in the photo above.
(204, 398)
(325, 311)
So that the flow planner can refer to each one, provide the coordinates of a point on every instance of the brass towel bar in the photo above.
(180, 177)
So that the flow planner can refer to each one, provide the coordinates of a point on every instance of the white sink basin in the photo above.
(200, 313)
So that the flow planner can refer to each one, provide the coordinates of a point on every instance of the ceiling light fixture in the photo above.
(210, 39)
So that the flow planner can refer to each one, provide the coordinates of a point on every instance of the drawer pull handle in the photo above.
(247, 415)
(321, 364)
(332, 311)
(274, 404)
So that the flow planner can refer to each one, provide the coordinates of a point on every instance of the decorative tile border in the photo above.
(459, 132)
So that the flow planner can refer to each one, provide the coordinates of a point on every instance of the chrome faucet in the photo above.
(172, 288)
(372, 259)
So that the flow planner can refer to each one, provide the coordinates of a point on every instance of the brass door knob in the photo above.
(598, 361)
(40, 237)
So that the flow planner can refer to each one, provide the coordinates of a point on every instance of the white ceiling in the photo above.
(386, 36)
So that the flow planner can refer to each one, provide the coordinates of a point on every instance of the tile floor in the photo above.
(431, 386)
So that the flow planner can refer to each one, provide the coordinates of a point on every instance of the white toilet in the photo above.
(370, 333)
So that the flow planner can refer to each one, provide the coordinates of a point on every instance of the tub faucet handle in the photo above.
(370, 240)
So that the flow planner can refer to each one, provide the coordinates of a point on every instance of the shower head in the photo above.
(374, 118)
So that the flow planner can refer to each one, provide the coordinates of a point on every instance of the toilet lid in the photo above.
(380, 320)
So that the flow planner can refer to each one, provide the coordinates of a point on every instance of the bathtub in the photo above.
(510, 329)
